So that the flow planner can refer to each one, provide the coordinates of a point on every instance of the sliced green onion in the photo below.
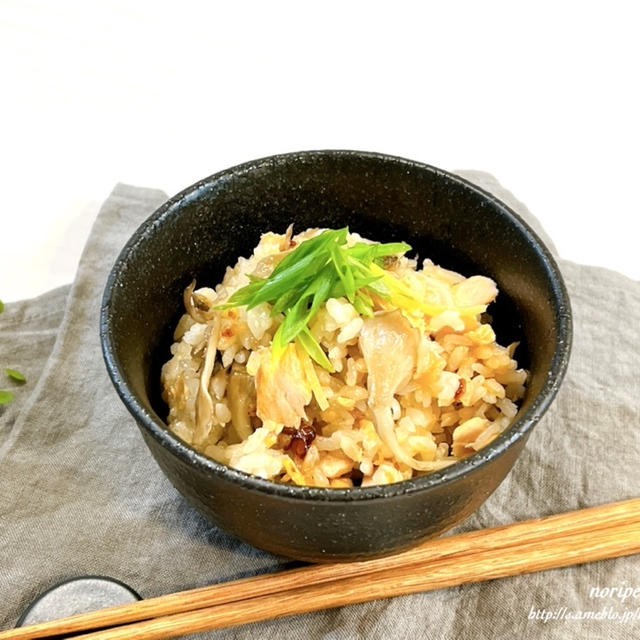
(311, 346)
(317, 269)
(15, 375)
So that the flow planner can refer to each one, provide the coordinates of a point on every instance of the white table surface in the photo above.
(545, 97)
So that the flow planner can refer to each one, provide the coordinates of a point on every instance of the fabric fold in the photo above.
(81, 494)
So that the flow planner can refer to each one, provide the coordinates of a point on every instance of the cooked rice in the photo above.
(462, 392)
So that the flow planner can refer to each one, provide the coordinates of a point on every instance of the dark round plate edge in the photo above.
(39, 597)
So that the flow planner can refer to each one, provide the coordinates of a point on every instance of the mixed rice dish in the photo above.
(328, 360)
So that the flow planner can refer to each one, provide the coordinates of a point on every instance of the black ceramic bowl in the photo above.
(208, 225)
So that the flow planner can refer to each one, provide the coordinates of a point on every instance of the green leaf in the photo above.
(5, 397)
(1, 306)
(15, 375)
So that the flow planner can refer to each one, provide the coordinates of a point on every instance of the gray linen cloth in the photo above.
(80, 493)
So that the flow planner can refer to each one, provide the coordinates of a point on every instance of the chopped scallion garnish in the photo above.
(6, 396)
(317, 269)
(15, 375)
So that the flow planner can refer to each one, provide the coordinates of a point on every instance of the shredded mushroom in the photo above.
(285, 243)
(242, 396)
(390, 348)
(204, 402)
(199, 304)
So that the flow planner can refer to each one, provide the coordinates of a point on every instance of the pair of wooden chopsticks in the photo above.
(587, 535)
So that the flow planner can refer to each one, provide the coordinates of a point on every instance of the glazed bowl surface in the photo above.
(206, 227)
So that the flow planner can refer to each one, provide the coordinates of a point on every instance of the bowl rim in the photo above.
(520, 428)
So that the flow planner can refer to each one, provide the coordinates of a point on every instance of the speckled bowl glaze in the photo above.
(208, 225)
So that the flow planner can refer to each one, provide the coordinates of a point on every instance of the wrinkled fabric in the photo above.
(80, 493)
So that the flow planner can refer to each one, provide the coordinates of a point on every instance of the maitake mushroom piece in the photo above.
(389, 345)
(204, 402)
(242, 398)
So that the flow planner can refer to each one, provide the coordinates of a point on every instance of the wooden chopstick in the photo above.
(448, 571)
(515, 535)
